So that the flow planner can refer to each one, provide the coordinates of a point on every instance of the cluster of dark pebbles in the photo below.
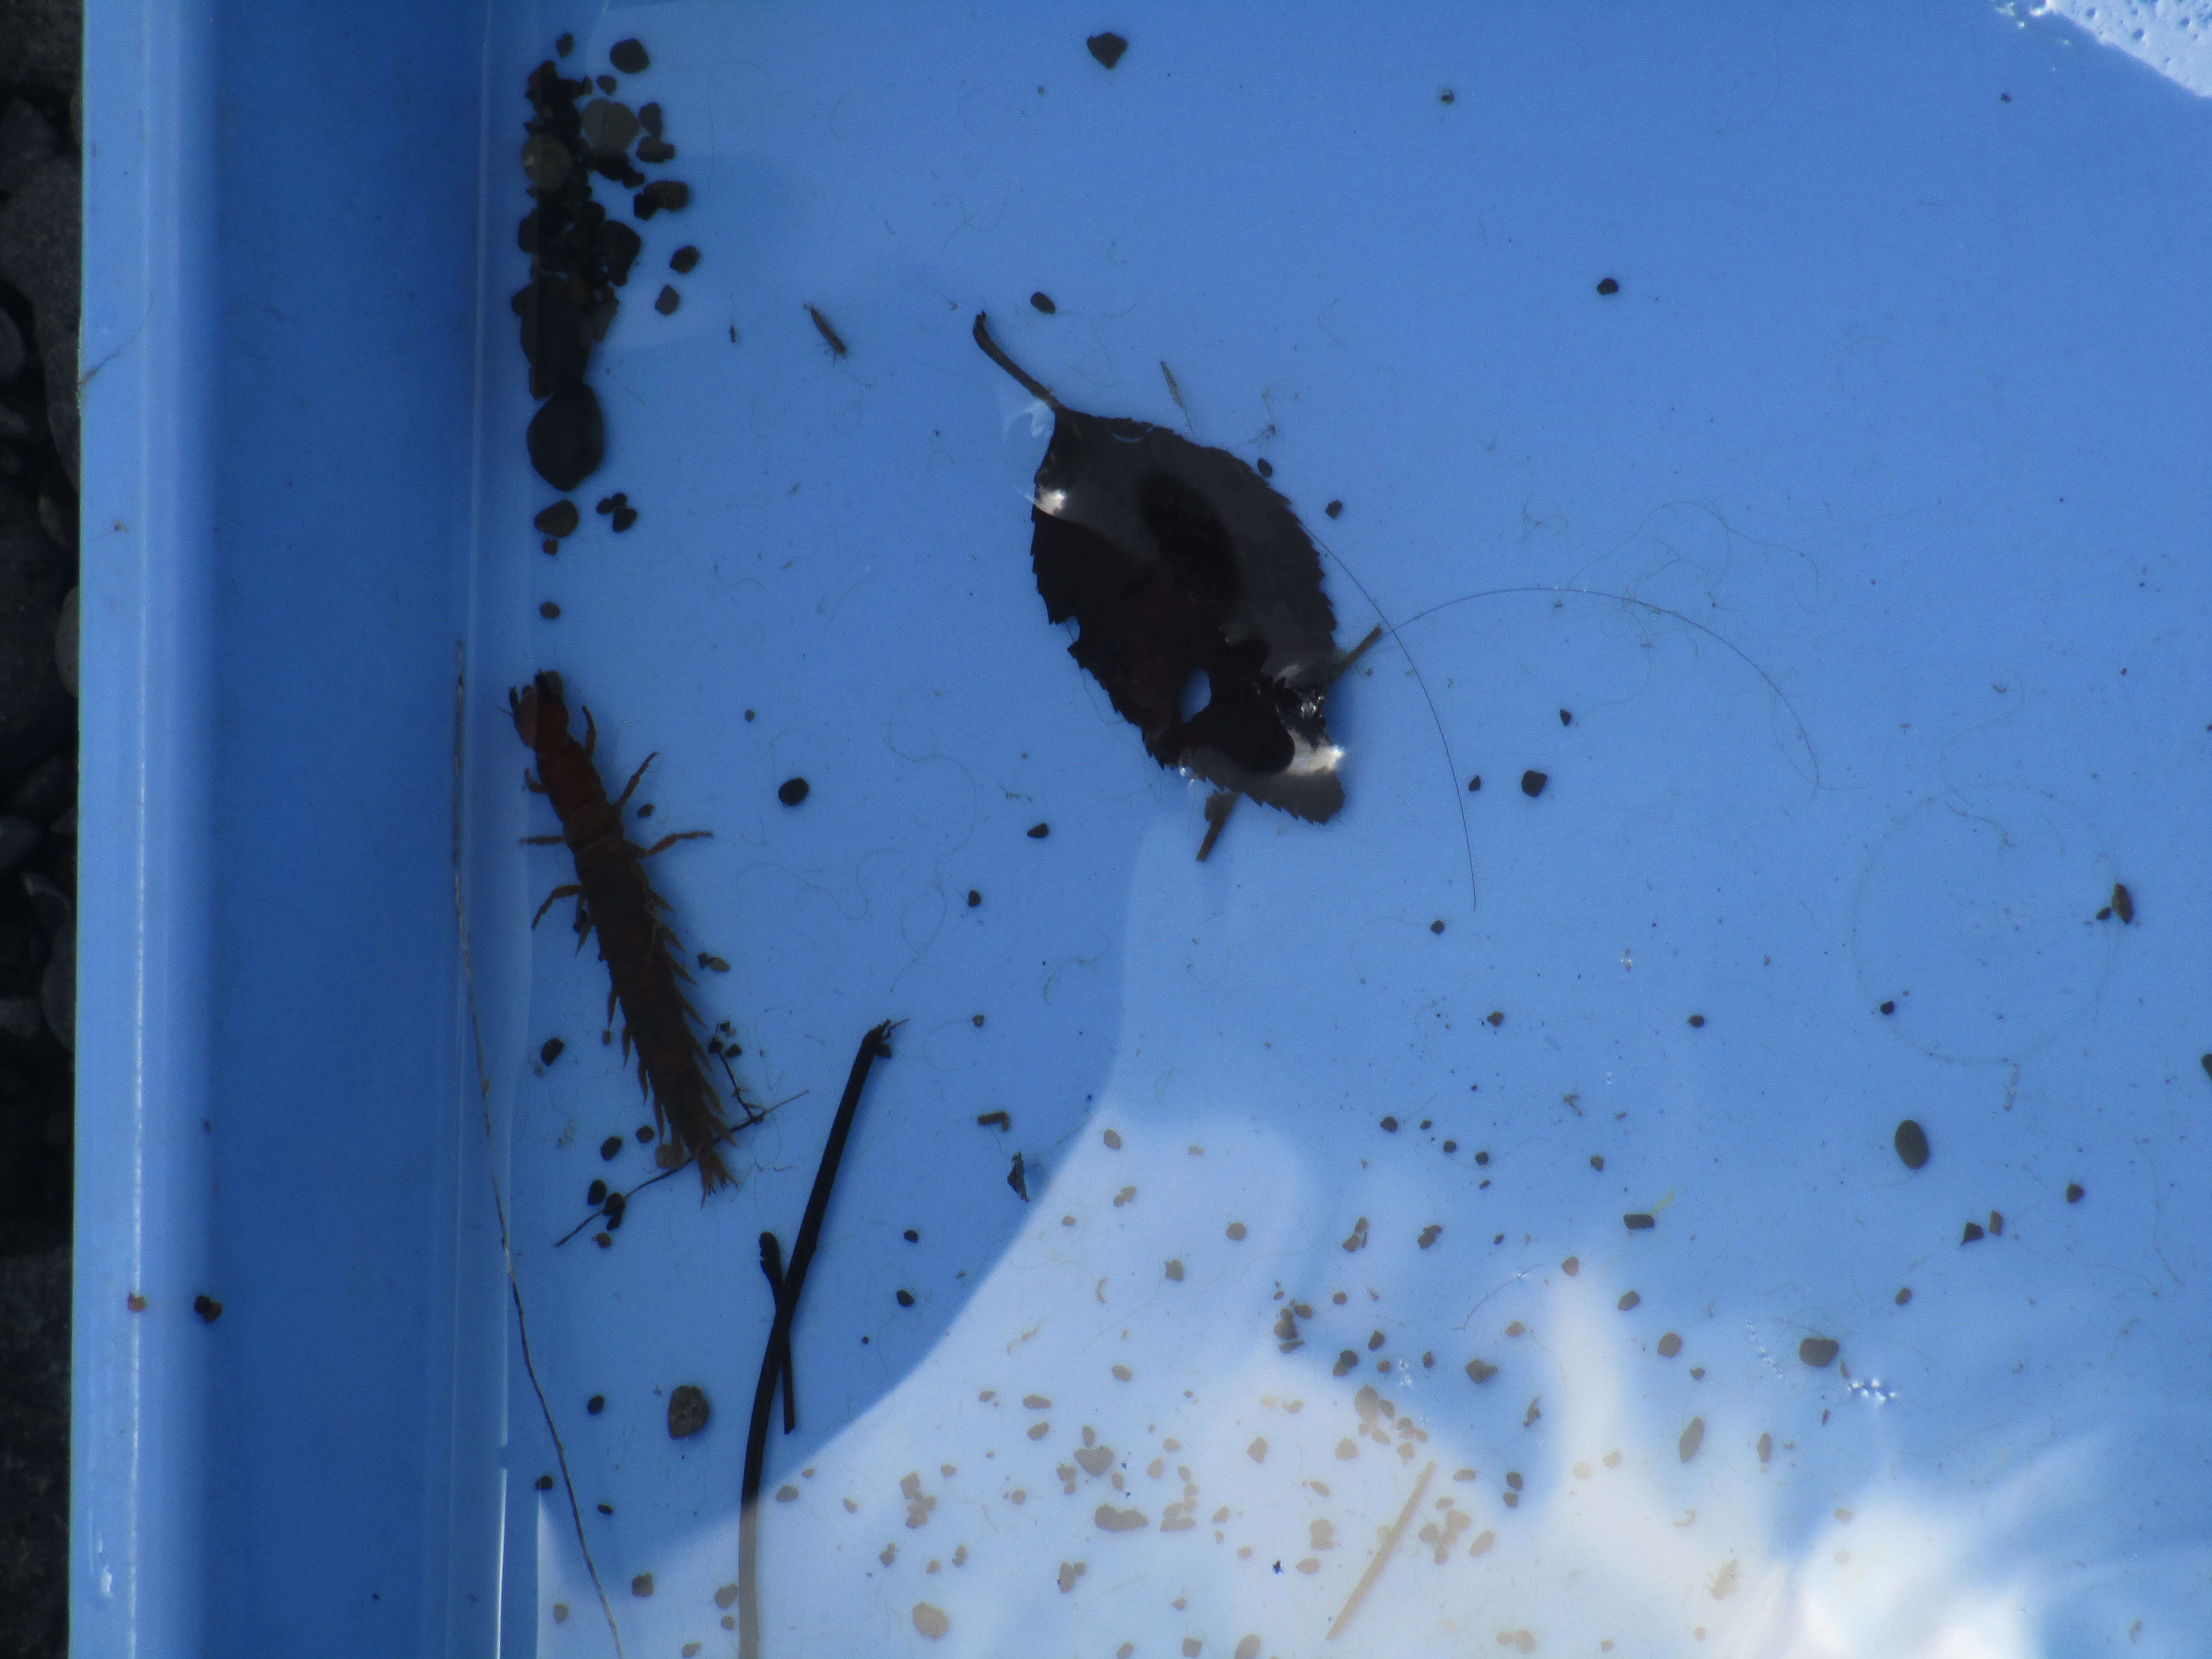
(579, 256)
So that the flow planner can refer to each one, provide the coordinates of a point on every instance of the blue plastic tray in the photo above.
(1842, 568)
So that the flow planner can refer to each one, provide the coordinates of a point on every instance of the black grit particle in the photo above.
(1532, 784)
(596, 1404)
(1446, 96)
(687, 1411)
(1437, 926)
(624, 516)
(683, 261)
(559, 519)
(1973, 1231)
(1266, 468)
(1606, 285)
(1480, 1157)
(792, 791)
(975, 898)
(1390, 1126)
(610, 1147)
(1638, 1221)
(565, 44)
(669, 300)
(1474, 784)
(649, 117)
(1818, 1352)
(551, 1051)
(1107, 48)
(1566, 717)
(1697, 1022)
(550, 610)
(207, 1308)
(567, 437)
(2073, 1192)
(1911, 1143)
(1628, 1300)
(629, 56)
(1039, 831)
(662, 194)
(1888, 1008)
(1334, 509)
(545, 1483)
(596, 1194)
(1904, 1295)
(912, 1237)
(906, 1298)
(1043, 301)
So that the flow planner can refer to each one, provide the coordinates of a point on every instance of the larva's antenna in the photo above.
(1036, 389)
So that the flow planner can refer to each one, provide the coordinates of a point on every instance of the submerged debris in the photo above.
(1180, 564)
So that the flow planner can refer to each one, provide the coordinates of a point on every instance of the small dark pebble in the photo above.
(1996, 1223)
(596, 1404)
(1107, 48)
(1334, 508)
(1597, 1162)
(1480, 1371)
(567, 437)
(565, 44)
(792, 791)
(1818, 1352)
(683, 261)
(1451, 1145)
(1446, 96)
(1345, 1362)
(1912, 1142)
(1266, 469)
(545, 1483)
(1973, 1231)
(1637, 1221)
(1532, 784)
(2073, 1192)
(1669, 1346)
(662, 193)
(655, 150)
(2123, 902)
(1039, 831)
(610, 1147)
(207, 1308)
(596, 1194)
(1437, 926)
(605, 1509)
(1888, 1008)
(644, 1135)
(1482, 1157)
(669, 300)
(559, 519)
(1474, 784)
(614, 1208)
(606, 82)
(712, 964)
(649, 117)
(550, 610)
(602, 1240)
(687, 1411)
(1903, 1294)
(629, 56)
(1496, 1017)
(552, 547)
(1697, 1022)
(906, 1298)
(2205, 1060)
(912, 1237)
(1566, 718)
(609, 503)
(1390, 1126)
(1628, 1299)
(551, 1051)
(624, 517)
(975, 898)
(998, 1120)
(1609, 286)
(1043, 301)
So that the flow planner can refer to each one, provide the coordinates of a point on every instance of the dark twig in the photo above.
(873, 1046)
(772, 1265)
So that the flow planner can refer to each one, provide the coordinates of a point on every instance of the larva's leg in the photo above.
(591, 733)
(667, 842)
(569, 891)
(530, 783)
(543, 841)
(623, 800)
(1219, 805)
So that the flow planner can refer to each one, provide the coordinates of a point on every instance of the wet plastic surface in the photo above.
(1771, 450)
